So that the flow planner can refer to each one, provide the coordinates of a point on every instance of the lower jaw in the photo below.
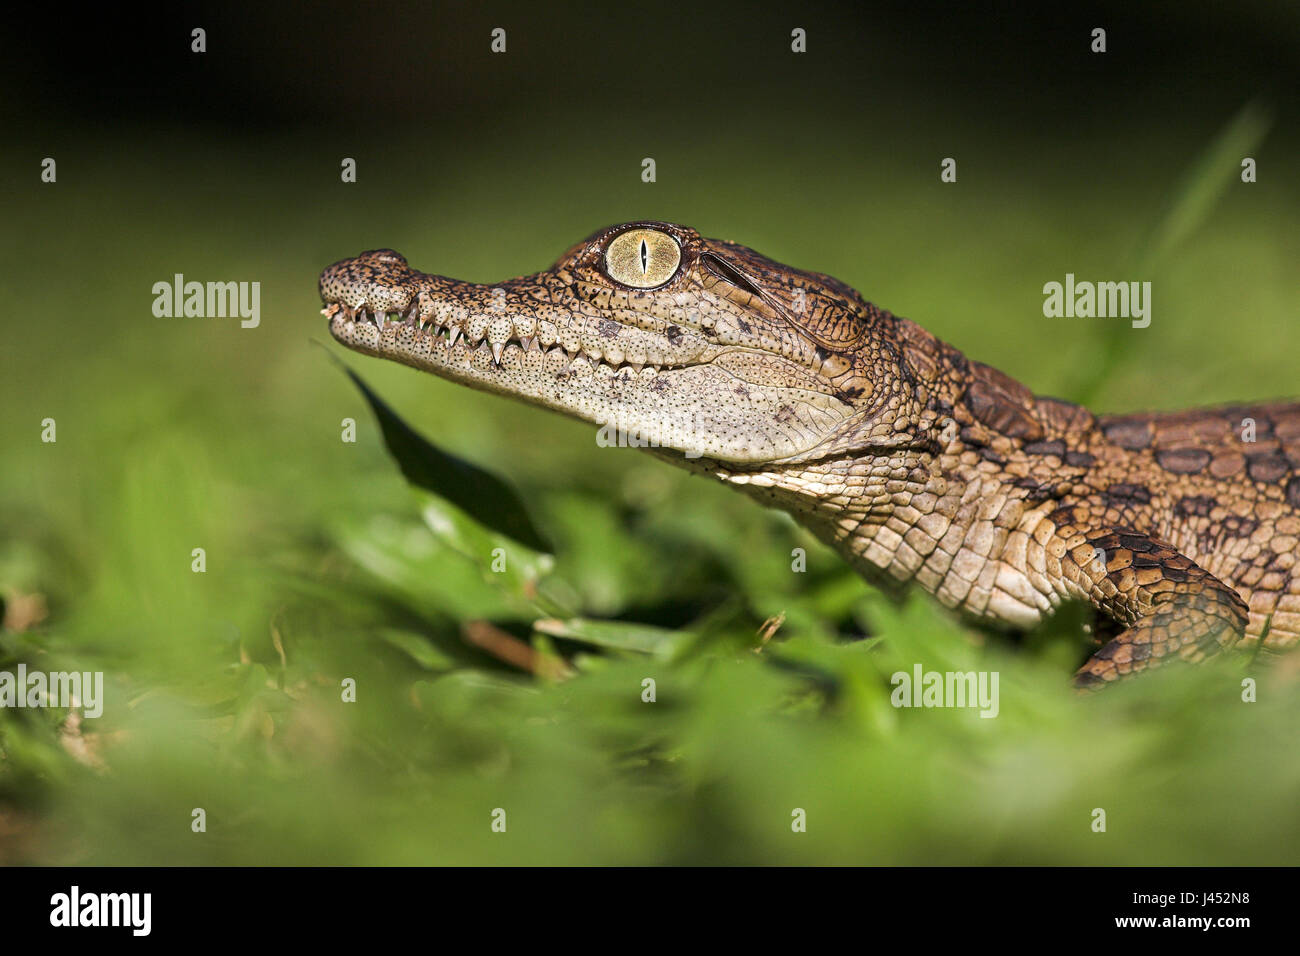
(522, 371)
(596, 393)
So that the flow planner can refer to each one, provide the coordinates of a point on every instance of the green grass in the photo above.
(224, 688)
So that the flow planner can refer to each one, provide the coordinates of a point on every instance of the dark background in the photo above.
(364, 71)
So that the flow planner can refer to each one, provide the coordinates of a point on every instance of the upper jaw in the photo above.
(674, 385)
(456, 334)
(428, 320)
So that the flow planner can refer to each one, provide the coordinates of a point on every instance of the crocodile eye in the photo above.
(642, 258)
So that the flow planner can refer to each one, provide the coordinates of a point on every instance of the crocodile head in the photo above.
(689, 345)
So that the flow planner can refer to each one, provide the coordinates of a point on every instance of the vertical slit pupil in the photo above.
(645, 256)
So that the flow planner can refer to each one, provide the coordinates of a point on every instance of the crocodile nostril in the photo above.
(388, 256)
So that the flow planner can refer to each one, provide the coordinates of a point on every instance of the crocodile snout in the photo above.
(379, 280)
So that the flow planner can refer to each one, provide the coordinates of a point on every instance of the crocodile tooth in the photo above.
(529, 342)
(425, 303)
(497, 349)
(498, 333)
(453, 333)
(636, 366)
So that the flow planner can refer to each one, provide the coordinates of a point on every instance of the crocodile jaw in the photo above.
(726, 404)
(682, 369)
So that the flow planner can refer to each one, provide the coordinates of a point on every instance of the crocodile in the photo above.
(916, 463)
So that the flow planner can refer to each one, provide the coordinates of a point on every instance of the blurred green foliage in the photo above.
(224, 688)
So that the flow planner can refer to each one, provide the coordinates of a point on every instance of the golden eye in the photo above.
(642, 258)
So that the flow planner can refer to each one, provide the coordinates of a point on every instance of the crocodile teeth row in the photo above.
(495, 333)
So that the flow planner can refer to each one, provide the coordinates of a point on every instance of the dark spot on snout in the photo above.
(609, 328)
(674, 335)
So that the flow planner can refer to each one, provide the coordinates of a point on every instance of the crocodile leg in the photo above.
(1173, 608)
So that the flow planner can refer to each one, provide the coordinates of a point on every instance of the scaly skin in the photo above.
(914, 462)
